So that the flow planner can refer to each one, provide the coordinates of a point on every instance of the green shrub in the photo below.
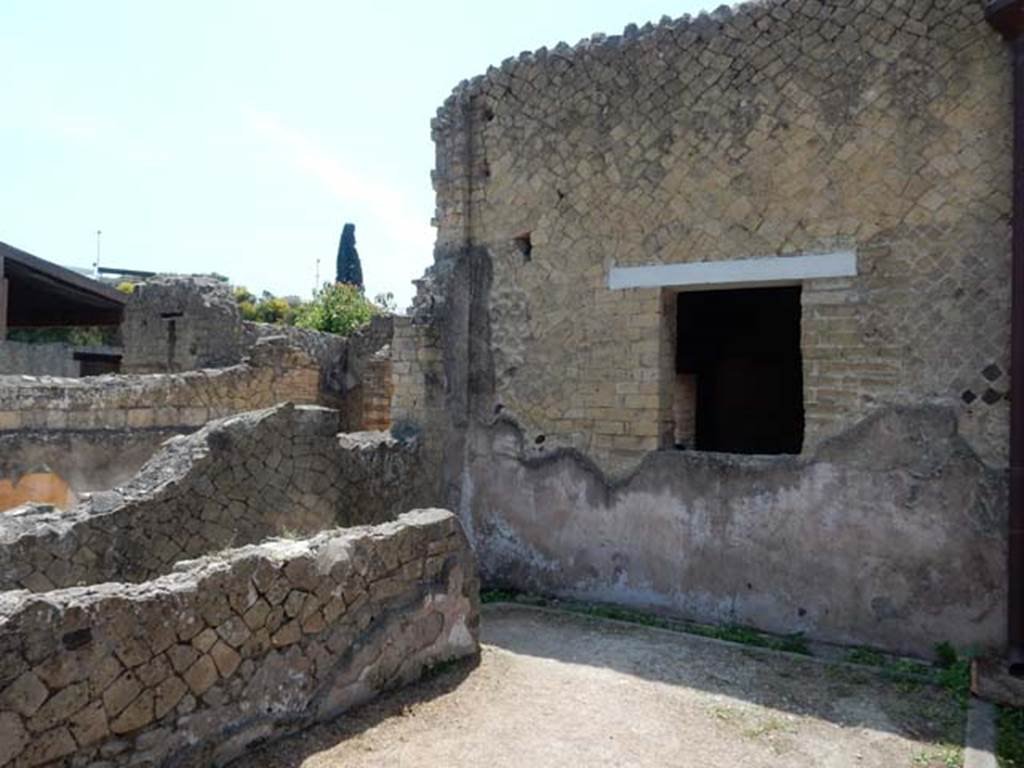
(337, 308)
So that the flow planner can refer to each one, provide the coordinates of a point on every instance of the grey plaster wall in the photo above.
(247, 646)
(17, 357)
(281, 471)
(892, 535)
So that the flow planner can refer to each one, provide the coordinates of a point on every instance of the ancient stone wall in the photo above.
(354, 370)
(785, 127)
(893, 536)
(245, 646)
(782, 128)
(284, 471)
(176, 323)
(274, 373)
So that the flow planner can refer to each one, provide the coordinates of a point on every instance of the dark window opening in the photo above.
(524, 244)
(738, 353)
(97, 363)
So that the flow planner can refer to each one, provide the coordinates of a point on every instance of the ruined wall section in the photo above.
(354, 370)
(175, 323)
(893, 536)
(243, 647)
(780, 128)
(280, 472)
(273, 373)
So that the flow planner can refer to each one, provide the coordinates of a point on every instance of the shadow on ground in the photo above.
(791, 683)
(555, 688)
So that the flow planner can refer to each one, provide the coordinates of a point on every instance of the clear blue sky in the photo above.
(238, 136)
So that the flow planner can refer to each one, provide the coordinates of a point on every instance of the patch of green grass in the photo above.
(1010, 746)
(497, 596)
(865, 656)
(794, 643)
(951, 671)
(946, 756)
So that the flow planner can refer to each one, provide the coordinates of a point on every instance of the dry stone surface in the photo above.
(192, 667)
(284, 470)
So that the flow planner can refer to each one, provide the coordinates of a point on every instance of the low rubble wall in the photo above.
(272, 374)
(248, 645)
(280, 471)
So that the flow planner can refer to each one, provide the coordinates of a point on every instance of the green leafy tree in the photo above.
(337, 308)
(349, 269)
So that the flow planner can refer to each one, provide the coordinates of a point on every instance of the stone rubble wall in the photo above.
(174, 323)
(782, 127)
(354, 370)
(272, 374)
(245, 646)
(281, 471)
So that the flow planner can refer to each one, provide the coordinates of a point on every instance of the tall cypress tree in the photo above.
(349, 270)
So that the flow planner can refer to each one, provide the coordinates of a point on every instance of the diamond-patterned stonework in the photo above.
(783, 127)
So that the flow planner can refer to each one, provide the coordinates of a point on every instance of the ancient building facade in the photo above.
(875, 129)
(777, 229)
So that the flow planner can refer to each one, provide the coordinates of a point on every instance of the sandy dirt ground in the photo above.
(557, 689)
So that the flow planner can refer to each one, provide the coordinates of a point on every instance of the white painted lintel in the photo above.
(736, 273)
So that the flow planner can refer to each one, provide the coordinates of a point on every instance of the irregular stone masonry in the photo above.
(281, 471)
(349, 366)
(274, 373)
(781, 127)
(254, 643)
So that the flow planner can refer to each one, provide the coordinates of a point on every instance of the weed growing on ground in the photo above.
(951, 671)
(948, 756)
(794, 643)
(1010, 746)
(866, 656)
